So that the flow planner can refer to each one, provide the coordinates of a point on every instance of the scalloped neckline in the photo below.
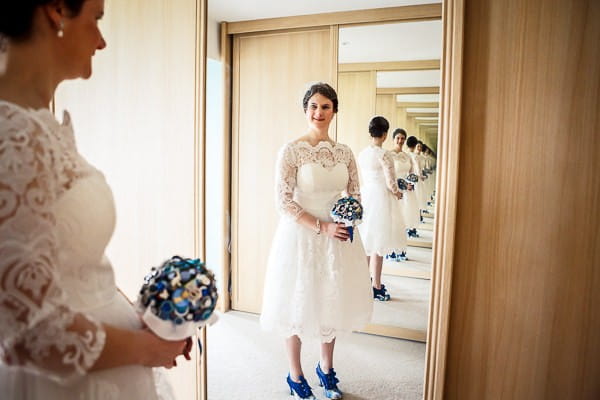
(319, 144)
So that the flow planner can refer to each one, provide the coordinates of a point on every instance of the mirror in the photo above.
(399, 79)
(271, 64)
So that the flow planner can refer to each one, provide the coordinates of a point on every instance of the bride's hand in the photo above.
(335, 230)
(162, 353)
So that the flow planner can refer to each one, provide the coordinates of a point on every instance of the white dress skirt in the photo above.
(411, 203)
(420, 187)
(429, 163)
(381, 208)
(315, 286)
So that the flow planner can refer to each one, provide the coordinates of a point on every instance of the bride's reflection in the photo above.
(406, 94)
(382, 227)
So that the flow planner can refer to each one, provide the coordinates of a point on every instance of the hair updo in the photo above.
(16, 18)
(378, 126)
(411, 141)
(324, 90)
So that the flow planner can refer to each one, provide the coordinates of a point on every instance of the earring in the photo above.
(60, 33)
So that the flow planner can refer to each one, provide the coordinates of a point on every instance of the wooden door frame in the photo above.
(452, 14)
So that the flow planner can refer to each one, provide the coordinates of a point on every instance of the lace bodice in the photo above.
(377, 167)
(50, 244)
(291, 188)
(420, 162)
(403, 163)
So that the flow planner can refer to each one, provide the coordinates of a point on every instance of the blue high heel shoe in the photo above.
(300, 390)
(402, 256)
(381, 294)
(329, 383)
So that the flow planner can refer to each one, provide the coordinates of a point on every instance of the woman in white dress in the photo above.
(380, 194)
(413, 143)
(408, 220)
(66, 332)
(317, 281)
(424, 187)
(430, 181)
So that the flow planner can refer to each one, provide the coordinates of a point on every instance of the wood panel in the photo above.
(418, 104)
(422, 12)
(356, 92)
(226, 56)
(409, 90)
(525, 312)
(385, 105)
(271, 74)
(414, 65)
(137, 120)
(396, 332)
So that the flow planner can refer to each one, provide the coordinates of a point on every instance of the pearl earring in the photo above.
(60, 33)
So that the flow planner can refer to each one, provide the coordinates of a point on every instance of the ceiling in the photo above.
(241, 10)
(406, 41)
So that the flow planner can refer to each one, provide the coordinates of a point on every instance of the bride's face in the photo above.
(319, 111)
(399, 140)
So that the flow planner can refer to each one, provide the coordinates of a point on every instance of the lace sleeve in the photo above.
(389, 172)
(38, 331)
(353, 188)
(285, 182)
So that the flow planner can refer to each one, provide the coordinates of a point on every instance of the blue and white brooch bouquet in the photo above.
(177, 298)
(402, 184)
(349, 212)
(412, 178)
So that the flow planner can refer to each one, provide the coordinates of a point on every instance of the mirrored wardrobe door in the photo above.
(392, 70)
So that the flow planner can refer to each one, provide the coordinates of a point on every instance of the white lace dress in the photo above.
(406, 210)
(404, 165)
(380, 206)
(315, 286)
(420, 187)
(56, 218)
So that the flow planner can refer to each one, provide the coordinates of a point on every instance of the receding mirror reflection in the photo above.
(389, 70)
(397, 79)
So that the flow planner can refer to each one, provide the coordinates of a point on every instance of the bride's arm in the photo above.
(390, 174)
(39, 331)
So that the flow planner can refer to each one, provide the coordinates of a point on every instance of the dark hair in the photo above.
(411, 141)
(378, 126)
(324, 90)
(16, 19)
(399, 131)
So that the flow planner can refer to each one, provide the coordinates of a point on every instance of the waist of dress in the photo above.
(317, 204)
(370, 178)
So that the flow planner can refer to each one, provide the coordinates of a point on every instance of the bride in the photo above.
(317, 281)
(66, 332)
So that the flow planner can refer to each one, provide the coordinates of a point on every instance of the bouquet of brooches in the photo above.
(349, 212)
(177, 298)
(403, 184)
(412, 178)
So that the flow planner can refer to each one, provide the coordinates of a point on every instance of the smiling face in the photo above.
(319, 112)
(81, 39)
(399, 140)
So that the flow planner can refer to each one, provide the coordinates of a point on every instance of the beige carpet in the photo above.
(409, 304)
(246, 363)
